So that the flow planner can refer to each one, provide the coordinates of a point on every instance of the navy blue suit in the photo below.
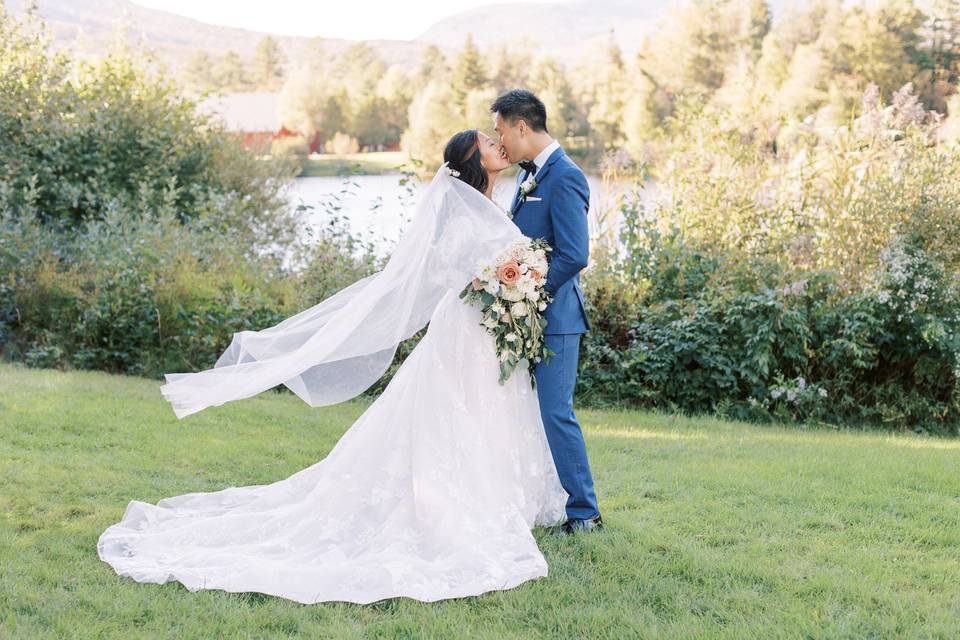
(560, 217)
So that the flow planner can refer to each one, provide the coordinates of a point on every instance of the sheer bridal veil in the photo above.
(338, 348)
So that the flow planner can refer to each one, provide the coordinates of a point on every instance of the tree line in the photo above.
(816, 57)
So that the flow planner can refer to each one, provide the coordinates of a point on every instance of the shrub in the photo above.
(715, 332)
(341, 144)
(79, 138)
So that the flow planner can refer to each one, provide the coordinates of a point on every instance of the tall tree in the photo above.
(266, 67)
(940, 53)
(878, 44)
(609, 91)
(360, 70)
(394, 88)
(198, 72)
(433, 66)
(548, 79)
(508, 66)
(230, 73)
(468, 73)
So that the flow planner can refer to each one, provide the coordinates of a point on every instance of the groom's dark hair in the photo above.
(521, 104)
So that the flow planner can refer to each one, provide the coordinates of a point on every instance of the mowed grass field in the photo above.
(370, 163)
(713, 529)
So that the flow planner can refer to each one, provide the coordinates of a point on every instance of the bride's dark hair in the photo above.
(463, 155)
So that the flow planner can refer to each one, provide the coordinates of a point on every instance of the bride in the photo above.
(432, 493)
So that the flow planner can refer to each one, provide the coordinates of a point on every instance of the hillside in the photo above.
(564, 30)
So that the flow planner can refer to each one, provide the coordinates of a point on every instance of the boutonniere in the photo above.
(526, 187)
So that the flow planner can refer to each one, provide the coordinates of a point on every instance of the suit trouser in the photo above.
(556, 380)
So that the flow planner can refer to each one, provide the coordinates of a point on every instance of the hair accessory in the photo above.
(450, 172)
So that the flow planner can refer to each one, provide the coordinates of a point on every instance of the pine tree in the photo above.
(229, 72)
(266, 68)
(606, 111)
(198, 72)
(940, 53)
(468, 73)
(433, 66)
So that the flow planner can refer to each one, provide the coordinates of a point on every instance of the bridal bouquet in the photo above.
(511, 295)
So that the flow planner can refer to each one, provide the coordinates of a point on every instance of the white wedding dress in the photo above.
(431, 494)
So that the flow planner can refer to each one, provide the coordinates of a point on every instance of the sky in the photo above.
(349, 19)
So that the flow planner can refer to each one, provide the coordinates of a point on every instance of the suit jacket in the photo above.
(560, 217)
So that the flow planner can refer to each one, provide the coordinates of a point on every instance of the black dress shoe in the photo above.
(577, 525)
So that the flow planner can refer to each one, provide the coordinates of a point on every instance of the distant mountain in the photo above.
(561, 29)
(564, 30)
(175, 38)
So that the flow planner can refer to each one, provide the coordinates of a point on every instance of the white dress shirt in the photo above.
(541, 158)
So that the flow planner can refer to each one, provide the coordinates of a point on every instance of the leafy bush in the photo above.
(135, 236)
(341, 144)
(146, 295)
(741, 337)
(78, 138)
(813, 196)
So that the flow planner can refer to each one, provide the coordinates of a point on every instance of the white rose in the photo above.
(526, 285)
(492, 287)
(511, 294)
(518, 309)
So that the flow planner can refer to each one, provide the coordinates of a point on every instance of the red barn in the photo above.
(254, 116)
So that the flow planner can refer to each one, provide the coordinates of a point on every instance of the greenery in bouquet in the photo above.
(512, 298)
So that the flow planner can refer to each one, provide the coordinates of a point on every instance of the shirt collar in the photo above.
(541, 158)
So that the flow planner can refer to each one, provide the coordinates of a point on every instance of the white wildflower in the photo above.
(512, 294)
(492, 286)
(526, 285)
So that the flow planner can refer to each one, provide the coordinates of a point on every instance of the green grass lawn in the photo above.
(714, 529)
(373, 163)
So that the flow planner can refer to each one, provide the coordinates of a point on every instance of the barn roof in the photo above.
(248, 111)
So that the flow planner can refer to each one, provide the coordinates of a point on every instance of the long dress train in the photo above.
(431, 494)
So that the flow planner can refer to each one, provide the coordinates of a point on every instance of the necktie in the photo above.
(528, 166)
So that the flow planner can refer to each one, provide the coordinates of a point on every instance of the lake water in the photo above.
(377, 206)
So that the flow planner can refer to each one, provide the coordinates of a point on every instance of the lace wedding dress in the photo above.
(431, 494)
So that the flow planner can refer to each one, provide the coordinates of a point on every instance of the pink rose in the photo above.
(509, 272)
(477, 285)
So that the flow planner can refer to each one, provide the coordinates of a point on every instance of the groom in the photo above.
(551, 202)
